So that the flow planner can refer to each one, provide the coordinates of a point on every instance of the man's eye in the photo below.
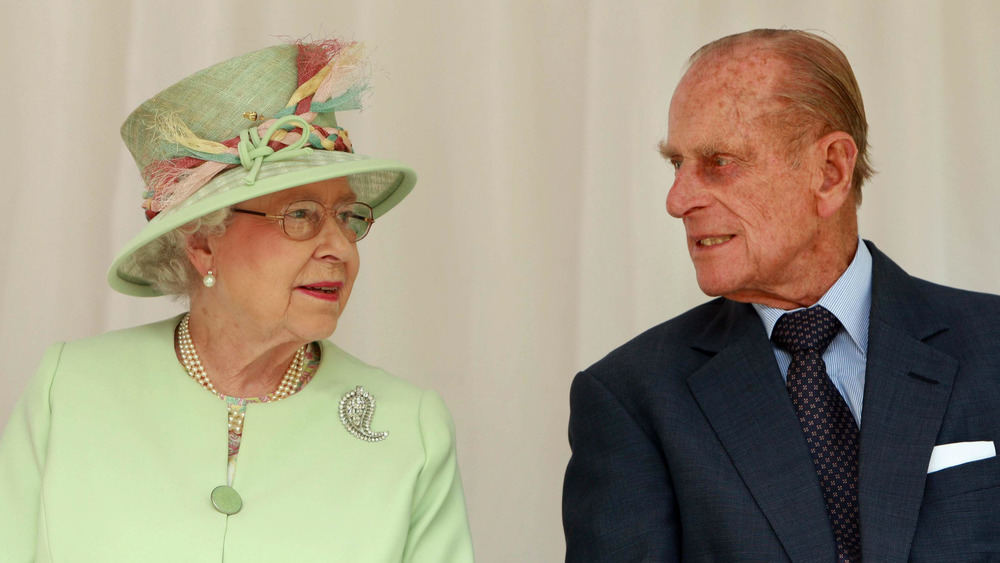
(720, 161)
(676, 163)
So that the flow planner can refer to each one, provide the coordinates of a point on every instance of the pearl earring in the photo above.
(209, 279)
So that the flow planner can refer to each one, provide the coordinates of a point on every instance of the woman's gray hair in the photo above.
(164, 262)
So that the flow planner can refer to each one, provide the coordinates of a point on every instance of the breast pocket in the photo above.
(962, 479)
(959, 519)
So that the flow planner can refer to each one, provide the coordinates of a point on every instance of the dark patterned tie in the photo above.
(829, 428)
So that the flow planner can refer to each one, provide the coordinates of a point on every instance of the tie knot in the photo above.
(806, 329)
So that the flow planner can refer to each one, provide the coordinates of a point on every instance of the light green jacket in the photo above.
(113, 451)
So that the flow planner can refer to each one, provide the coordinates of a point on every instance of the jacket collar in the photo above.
(908, 384)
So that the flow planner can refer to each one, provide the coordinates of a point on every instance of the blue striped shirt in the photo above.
(850, 299)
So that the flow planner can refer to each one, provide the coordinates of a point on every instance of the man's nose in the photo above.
(685, 195)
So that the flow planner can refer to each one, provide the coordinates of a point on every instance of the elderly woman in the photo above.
(237, 432)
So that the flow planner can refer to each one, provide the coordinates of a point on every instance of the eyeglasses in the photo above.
(303, 220)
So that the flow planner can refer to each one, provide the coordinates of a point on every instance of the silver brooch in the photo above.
(356, 410)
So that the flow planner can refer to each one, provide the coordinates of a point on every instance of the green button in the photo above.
(226, 500)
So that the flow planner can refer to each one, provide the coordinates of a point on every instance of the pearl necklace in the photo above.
(289, 385)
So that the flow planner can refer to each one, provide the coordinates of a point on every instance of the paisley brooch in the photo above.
(356, 410)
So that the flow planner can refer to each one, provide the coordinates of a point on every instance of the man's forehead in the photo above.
(745, 73)
(724, 100)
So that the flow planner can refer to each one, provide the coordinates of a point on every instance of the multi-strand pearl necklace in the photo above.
(290, 382)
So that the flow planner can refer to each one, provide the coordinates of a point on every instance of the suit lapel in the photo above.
(908, 384)
(744, 399)
(907, 388)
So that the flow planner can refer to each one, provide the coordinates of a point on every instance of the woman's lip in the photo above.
(312, 290)
(323, 284)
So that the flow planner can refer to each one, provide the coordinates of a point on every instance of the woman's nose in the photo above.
(334, 243)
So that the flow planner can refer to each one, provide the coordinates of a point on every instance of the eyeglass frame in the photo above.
(280, 218)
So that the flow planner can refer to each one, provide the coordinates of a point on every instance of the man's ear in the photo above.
(199, 252)
(839, 153)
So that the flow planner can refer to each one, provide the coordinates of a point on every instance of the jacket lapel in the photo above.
(907, 387)
(743, 396)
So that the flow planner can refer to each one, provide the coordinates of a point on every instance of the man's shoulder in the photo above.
(962, 308)
(949, 296)
(959, 322)
(893, 287)
(666, 347)
(683, 327)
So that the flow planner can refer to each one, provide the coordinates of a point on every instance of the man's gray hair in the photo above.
(820, 88)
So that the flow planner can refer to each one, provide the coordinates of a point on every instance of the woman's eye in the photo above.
(310, 215)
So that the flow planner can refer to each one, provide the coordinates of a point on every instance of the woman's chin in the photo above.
(318, 329)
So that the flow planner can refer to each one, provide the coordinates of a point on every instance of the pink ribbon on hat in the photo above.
(173, 180)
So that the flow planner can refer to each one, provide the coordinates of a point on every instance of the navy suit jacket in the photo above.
(686, 446)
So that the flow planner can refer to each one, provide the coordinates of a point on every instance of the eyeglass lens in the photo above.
(303, 219)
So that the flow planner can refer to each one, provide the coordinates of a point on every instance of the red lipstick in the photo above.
(327, 291)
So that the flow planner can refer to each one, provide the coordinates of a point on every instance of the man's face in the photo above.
(750, 216)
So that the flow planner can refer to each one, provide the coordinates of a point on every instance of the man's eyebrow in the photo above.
(666, 151)
(712, 150)
(741, 151)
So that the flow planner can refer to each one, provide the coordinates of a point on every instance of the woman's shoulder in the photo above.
(342, 365)
(343, 374)
(125, 337)
(135, 346)
(80, 370)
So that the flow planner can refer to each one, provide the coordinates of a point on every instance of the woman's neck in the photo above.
(237, 363)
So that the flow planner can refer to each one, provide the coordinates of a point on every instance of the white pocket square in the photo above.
(950, 455)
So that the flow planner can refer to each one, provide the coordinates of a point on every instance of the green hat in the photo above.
(250, 126)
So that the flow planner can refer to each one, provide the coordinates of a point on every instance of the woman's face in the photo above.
(274, 287)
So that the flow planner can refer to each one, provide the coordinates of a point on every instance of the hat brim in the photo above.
(380, 183)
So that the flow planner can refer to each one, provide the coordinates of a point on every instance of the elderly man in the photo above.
(828, 406)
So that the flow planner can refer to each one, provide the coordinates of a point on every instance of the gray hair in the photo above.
(820, 89)
(164, 262)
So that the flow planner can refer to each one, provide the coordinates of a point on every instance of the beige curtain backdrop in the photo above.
(536, 240)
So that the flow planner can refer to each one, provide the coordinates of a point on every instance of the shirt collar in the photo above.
(850, 300)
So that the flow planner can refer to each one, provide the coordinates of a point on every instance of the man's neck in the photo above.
(807, 290)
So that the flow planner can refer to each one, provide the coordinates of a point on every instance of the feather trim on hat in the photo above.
(333, 75)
